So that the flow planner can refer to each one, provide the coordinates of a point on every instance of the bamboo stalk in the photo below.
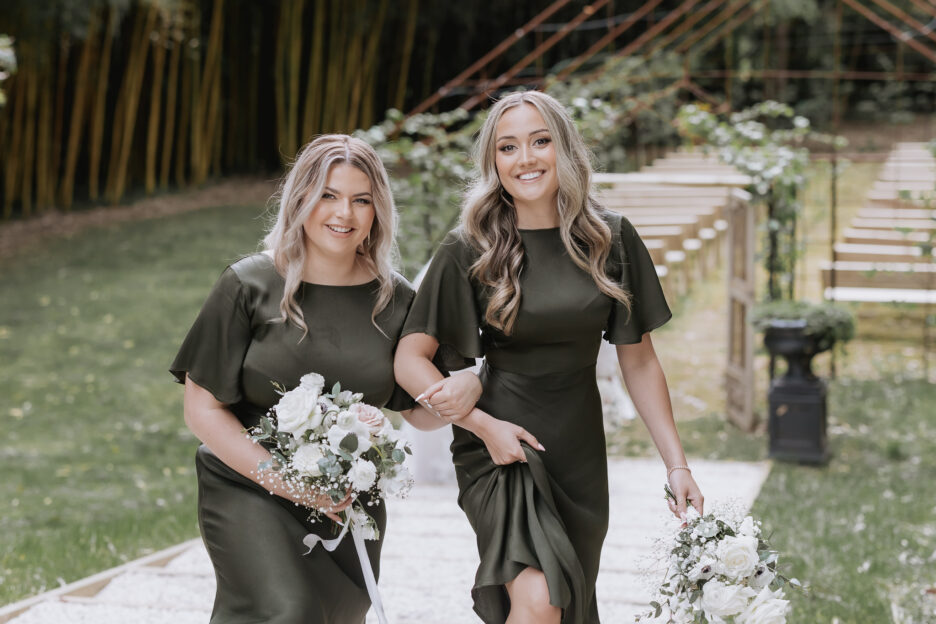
(196, 103)
(129, 102)
(365, 117)
(29, 129)
(152, 130)
(312, 119)
(253, 89)
(96, 137)
(408, 39)
(58, 139)
(185, 111)
(13, 158)
(279, 88)
(209, 96)
(176, 41)
(44, 139)
(77, 122)
(294, 64)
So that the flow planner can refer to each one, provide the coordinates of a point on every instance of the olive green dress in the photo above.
(550, 513)
(234, 351)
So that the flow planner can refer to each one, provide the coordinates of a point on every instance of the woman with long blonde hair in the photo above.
(531, 280)
(322, 298)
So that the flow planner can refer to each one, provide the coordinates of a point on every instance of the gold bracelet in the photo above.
(670, 471)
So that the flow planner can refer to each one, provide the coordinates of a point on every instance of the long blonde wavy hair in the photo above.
(297, 196)
(489, 218)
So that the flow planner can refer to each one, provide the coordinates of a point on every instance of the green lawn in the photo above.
(97, 463)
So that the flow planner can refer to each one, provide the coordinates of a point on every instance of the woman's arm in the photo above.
(646, 385)
(415, 373)
(215, 425)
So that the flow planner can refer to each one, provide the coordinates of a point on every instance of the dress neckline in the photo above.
(361, 285)
(549, 229)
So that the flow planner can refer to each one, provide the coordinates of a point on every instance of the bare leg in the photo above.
(529, 600)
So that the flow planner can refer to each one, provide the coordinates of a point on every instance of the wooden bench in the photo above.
(880, 281)
(891, 224)
(857, 252)
(887, 237)
(895, 213)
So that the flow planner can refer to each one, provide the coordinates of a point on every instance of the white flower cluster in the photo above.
(332, 443)
(721, 571)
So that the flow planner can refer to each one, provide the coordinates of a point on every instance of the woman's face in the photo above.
(526, 157)
(342, 216)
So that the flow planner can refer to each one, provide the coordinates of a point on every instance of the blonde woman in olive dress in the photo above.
(322, 298)
(533, 278)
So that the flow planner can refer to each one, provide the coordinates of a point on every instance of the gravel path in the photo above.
(428, 562)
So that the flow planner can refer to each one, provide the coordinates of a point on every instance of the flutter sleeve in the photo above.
(445, 307)
(213, 350)
(632, 266)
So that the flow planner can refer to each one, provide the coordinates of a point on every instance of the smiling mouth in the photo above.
(338, 229)
(530, 175)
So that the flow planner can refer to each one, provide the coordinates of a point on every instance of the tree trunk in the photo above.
(185, 113)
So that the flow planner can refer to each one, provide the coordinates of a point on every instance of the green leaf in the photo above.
(349, 443)
(398, 456)
(336, 389)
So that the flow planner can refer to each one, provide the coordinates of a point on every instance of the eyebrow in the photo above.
(510, 136)
(337, 192)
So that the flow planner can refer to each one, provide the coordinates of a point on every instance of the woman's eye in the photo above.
(542, 141)
(327, 196)
(363, 201)
(506, 148)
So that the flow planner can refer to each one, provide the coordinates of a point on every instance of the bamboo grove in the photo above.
(144, 97)
(117, 97)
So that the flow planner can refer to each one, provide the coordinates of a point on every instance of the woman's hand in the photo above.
(323, 503)
(452, 397)
(502, 440)
(684, 487)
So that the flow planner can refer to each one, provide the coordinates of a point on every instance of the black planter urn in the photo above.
(797, 400)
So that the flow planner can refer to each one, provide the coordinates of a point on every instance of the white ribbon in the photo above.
(312, 540)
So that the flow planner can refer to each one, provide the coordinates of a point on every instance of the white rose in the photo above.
(362, 474)
(767, 608)
(294, 410)
(762, 576)
(723, 600)
(345, 420)
(344, 398)
(306, 459)
(737, 556)
(313, 382)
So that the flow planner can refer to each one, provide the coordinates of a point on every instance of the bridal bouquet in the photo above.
(332, 443)
(720, 571)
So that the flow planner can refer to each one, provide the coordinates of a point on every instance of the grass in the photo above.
(97, 462)
(861, 531)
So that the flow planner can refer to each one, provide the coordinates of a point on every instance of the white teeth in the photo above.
(532, 175)
(340, 230)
